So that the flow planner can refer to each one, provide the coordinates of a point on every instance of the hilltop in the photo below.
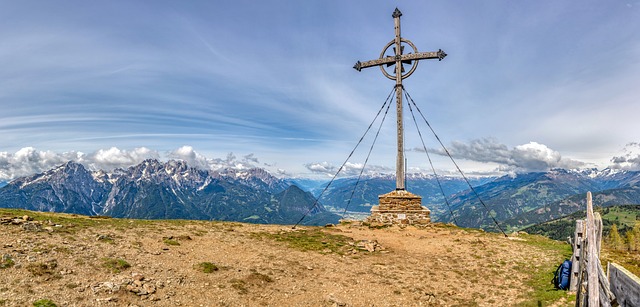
(76, 260)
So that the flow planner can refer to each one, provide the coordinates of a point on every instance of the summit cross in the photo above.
(398, 59)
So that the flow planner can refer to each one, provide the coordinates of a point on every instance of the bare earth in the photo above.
(434, 266)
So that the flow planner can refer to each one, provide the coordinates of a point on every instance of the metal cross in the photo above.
(398, 59)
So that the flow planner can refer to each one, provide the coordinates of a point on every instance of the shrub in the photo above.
(44, 303)
(105, 239)
(258, 278)
(115, 265)
(170, 242)
(40, 269)
(6, 262)
(206, 267)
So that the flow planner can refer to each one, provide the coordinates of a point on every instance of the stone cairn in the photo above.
(399, 207)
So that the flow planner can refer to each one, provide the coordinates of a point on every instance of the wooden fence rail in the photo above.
(624, 285)
(593, 288)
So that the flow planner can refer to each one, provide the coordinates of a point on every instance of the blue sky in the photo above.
(527, 85)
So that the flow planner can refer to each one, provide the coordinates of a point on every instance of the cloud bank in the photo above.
(528, 157)
(28, 161)
(630, 158)
(112, 158)
(189, 155)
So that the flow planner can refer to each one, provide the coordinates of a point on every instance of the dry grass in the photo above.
(270, 265)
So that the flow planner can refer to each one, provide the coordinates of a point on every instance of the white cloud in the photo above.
(534, 156)
(322, 168)
(108, 159)
(630, 159)
(187, 154)
(528, 157)
(193, 158)
(28, 161)
(349, 169)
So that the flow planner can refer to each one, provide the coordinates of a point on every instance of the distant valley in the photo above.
(516, 201)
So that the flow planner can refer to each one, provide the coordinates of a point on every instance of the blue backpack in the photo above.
(562, 276)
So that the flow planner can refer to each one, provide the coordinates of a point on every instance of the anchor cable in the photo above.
(456, 165)
(429, 158)
(367, 159)
(315, 203)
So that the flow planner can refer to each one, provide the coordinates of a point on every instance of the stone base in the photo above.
(399, 207)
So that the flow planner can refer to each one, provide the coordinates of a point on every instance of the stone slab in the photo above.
(400, 200)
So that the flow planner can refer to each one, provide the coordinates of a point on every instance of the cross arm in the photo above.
(405, 57)
(424, 55)
(386, 60)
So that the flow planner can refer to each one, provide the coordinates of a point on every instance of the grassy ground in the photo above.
(273, 264)
(623, 216)
(630, 260)
(544, 293)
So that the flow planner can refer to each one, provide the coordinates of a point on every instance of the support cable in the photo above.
(367, 159)
(315, 203)
(430, 162)
(456, 165)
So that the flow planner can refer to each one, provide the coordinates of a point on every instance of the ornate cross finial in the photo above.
(396, 13)
(398, 59)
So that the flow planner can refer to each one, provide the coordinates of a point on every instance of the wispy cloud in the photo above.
(275, 78)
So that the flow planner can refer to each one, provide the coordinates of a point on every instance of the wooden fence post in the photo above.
(592, 254)
(598, 224)
(576, 258)
(619, 288)
(580, 295)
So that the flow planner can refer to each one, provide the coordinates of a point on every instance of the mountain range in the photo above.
(515, 201)
(171, 190)
(525, 199)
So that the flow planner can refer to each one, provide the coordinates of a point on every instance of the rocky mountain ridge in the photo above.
(157, 190)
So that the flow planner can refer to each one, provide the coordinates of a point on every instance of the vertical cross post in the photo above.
(400, 168)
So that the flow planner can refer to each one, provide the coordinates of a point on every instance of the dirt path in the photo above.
(256, 266)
